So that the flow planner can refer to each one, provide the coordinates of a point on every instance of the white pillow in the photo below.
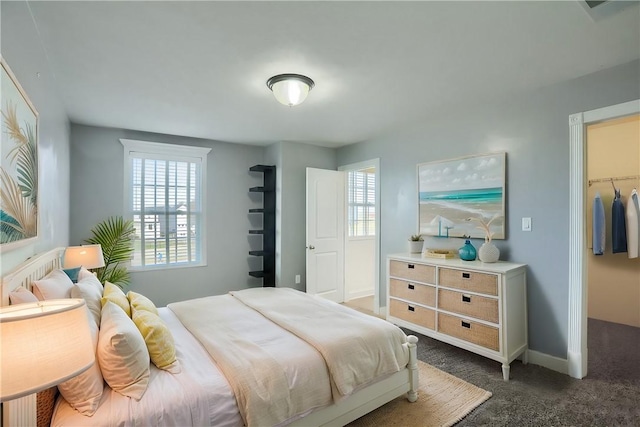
(90, 289)
(122, 353)
(83, 392)
(22, 295)
(84, 273)
(54, 285)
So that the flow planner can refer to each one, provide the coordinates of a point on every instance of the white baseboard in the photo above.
(550, 362)
(358, 294)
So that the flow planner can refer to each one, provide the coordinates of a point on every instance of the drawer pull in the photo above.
(466, 298)
(411, 266)
(466, 275)
(466, 324)
(410, 286)
(411, 308)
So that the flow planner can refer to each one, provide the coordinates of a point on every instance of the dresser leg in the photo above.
(525, 357)
(505, 371)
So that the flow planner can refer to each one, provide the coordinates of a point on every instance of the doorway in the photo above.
(578, 309)
(361, 240)
(613, 270)
(343, 234)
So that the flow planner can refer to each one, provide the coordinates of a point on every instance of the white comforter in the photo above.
(276, 376)
(330, 352)
(201, 394)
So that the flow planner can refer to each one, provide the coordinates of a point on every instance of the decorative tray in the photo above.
(440, 253)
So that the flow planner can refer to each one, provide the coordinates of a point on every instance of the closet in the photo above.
(613, 332)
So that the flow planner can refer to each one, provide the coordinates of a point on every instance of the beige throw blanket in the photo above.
(344, 349)
(356, 347)
(271, 385)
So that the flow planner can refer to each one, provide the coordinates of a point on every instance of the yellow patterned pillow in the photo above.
(159, 340)
(115, 295)
(140, 302)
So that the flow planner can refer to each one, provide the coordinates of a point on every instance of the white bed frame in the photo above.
(371, 397)
(23, 411)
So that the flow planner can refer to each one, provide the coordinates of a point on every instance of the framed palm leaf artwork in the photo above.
(19, 164)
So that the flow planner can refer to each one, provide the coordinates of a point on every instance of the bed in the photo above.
(317, 390)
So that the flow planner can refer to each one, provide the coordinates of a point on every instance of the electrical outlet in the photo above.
(297, 279)
(526, 224)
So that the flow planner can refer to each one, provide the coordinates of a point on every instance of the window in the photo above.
(165, 197)
(362, 203)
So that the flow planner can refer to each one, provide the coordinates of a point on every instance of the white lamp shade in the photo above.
(87, 256)
(290, 92)
(43, 344)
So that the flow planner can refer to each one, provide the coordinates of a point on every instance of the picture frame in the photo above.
(19, 219)
(456, 197)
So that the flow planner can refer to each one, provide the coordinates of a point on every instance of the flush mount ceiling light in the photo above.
(290, 89)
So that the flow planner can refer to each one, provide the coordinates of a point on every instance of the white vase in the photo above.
(415, 247)
(488, 252)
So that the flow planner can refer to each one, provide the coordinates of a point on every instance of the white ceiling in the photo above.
(199, 68)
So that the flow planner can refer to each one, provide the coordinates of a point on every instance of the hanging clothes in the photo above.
(598, 226)
(618, 227)
(633, 225)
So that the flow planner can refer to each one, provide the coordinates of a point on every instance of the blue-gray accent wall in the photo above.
(97, 192)
(533, 129)
(22, 51)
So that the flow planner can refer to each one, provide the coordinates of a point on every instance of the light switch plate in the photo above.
(526, 224)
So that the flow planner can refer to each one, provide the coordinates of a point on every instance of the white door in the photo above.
(325, 233)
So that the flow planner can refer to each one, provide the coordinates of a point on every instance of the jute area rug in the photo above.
(443, 400)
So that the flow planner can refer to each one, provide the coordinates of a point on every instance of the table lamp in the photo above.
(87, 256)
(43, 344)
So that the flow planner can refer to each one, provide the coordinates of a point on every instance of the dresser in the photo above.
(481, 307)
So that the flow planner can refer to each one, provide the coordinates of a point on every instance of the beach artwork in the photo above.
(453, 192)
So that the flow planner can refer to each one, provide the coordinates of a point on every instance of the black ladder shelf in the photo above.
(268, 232)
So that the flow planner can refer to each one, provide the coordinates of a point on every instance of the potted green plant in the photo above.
(415, 243)
(115, 235)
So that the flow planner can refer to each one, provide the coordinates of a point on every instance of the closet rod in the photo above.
(618, 178)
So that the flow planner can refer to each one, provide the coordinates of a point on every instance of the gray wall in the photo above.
(533, 130)
(23, 52)
(292, 160)
(97, 192)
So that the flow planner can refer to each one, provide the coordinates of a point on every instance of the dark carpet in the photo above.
(535, 396)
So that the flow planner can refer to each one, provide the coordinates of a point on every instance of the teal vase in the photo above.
(467, 252)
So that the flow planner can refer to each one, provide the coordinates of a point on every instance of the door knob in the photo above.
(311, 247)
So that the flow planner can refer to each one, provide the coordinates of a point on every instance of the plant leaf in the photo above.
(115, 235)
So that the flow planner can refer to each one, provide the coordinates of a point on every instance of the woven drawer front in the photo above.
(414, 292)
(469, 281)
(410, 271)
(477, 333)
(413, 313)
(471, 305)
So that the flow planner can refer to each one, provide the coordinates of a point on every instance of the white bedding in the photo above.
(199, 395)
(276, 376)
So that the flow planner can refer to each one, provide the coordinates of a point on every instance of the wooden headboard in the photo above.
(24, 411)
(34, 268)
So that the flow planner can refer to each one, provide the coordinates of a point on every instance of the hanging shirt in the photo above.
(618, 227)
(633, 227)
(598, 226)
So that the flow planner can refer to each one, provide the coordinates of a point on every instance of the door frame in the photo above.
(577, 336)
(357, 166)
